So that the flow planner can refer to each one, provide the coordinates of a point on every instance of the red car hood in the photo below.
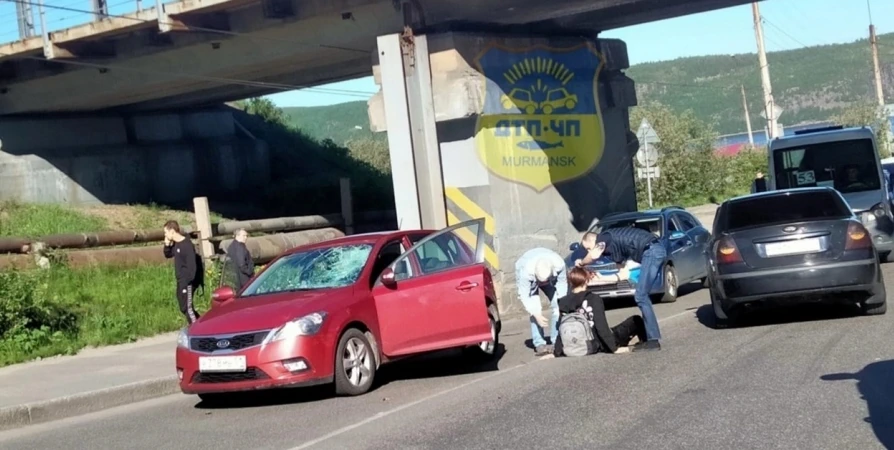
(265, 312)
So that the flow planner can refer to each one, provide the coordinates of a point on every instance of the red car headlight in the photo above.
(308, 325)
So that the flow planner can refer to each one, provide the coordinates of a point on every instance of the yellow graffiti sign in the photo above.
(541, 123)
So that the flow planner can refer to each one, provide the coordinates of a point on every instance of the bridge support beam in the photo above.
(531, 133)
(415, 156)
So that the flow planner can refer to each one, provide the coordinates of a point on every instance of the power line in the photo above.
(191, 27)
(764, 20)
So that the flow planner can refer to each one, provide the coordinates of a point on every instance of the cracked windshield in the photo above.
(323, 268)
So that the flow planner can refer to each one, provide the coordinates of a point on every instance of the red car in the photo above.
(337, 310)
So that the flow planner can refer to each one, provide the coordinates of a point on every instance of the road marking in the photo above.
(400, 408)
(424, 399)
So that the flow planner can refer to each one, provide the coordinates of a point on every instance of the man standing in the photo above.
(759, 184)
(182, 250)
(240, 260)
(637, 245)
(538, 270)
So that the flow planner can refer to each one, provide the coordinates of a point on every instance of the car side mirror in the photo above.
(574, 246)
(676, 235)
(388, 278)
(222, 295)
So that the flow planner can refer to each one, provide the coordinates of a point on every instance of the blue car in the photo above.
(682, 234)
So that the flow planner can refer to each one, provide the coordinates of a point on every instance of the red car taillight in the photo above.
(727, 252)
(857, 237)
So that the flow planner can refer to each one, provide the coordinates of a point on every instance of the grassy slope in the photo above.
(811, 84)
(108, 305)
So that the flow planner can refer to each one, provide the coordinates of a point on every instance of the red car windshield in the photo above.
(320, 268)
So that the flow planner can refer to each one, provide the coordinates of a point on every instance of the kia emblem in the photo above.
(790, 229)
(223, 343)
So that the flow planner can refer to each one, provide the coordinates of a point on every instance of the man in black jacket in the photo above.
(186, 268)
(608, 340)
(240, 259)
(624, 244)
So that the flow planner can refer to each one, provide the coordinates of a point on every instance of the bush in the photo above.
(692, 173)
(60, 311)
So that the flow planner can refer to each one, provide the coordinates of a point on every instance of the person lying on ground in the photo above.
(606, 339)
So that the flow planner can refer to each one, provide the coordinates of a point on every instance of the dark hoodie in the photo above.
(605, 339)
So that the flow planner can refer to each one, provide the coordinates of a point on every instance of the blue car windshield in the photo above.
(319, 268)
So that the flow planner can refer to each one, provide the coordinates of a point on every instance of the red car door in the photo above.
(437, 299)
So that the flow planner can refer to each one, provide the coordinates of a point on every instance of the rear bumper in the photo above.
(858, 277)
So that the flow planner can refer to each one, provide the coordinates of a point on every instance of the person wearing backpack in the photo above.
(583, 327)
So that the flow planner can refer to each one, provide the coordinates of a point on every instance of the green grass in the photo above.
(26, 220)
(60, 311)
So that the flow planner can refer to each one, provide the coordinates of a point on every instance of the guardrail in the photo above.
(41, 17)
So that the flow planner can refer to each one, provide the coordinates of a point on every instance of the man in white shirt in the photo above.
(537, 270)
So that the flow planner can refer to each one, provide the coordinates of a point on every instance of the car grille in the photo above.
(237, 342)
(251, 374)
(623, 285)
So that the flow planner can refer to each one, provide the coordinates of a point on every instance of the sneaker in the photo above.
(646, 346)
(543, 350)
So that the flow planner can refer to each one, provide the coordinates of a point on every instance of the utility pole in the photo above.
(769, 104)
(747, 117)
(873, 41)
(25, 18)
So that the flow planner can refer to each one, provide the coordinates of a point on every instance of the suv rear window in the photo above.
(791, 207)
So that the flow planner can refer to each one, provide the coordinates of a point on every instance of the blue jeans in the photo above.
(649, 276)
(537, 336)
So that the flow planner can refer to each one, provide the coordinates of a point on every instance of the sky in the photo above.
(790, 24)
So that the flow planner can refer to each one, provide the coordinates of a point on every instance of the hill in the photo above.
(811, 84)
(342, 122)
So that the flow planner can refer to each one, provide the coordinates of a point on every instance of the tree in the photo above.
(869, 115)
(265, 109)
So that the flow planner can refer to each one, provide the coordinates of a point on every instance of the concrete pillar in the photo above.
(413, 142)
(533, 136)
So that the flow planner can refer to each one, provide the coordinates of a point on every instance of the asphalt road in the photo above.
(807, 378)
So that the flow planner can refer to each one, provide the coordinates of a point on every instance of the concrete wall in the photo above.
(527, 207)
(164, 158)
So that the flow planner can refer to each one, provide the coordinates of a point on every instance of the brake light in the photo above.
(727, 252)
(857, 237)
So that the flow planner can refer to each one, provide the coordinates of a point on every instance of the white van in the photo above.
(845, 159)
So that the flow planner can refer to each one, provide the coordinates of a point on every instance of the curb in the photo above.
(85, 403)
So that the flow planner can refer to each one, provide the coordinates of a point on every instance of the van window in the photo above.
(846, 166)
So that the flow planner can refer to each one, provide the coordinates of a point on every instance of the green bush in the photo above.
(692, 173)
(60, 311)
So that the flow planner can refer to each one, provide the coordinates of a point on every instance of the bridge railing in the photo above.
(24, 19)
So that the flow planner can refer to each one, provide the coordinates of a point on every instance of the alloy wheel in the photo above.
(357, 362)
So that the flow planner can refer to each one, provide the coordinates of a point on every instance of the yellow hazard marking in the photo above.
(489, 255)
(471, 208)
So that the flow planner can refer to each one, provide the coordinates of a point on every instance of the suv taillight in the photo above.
(857, 237)
(727, 252)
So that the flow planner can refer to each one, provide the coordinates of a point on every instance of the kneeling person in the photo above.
(589, 306)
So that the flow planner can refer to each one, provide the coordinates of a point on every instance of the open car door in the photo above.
(433, 296)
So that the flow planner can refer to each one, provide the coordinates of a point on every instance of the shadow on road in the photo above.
(876, 388)
(628, 302)
(782, 315)
(438, 364)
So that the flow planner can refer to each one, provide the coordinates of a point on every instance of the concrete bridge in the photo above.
(510, 110)
(200, 52)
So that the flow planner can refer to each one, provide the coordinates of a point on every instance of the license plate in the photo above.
(222, 364)
(793, 247)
